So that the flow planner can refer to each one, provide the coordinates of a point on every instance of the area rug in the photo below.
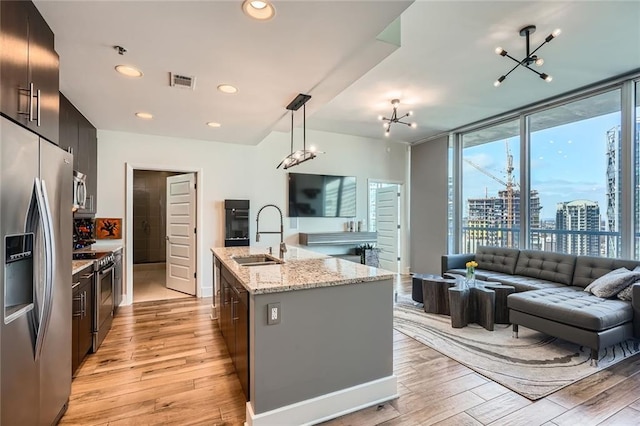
(534, 365)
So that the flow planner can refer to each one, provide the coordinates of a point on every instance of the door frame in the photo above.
(127, 298)
(402, 218)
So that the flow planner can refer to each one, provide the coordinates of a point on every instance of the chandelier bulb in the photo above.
(410, 113)
(380, 117)
(385, 125)
(546, 77)
(414, 125)
(386, 133)
(539, 62)
(499, 50)
(556, 32)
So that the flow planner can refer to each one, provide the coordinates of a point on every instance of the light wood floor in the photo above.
(149, 283)
(166, 363)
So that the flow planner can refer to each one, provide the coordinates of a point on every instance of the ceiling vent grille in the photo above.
(183, 81)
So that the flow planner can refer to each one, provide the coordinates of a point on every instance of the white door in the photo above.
(387, 225)
(181, 233)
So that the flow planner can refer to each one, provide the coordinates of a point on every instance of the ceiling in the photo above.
(443, 69)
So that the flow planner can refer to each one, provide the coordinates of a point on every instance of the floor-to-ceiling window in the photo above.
(578, 183)
(575, 172)
(636, 201)
(491, 187)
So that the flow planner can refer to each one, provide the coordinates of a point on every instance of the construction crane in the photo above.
(509, 185)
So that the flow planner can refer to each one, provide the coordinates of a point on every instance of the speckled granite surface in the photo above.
(302, 269)
(79, 265)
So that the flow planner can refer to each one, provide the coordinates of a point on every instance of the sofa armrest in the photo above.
(635, 302)
(458, 261)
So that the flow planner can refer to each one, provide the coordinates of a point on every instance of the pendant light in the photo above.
(299, 156)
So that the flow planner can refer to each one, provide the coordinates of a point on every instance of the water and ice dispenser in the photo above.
(18, 276)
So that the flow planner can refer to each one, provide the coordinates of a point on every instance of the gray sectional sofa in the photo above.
(550, 294)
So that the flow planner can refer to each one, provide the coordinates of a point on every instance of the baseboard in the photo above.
(329, 406)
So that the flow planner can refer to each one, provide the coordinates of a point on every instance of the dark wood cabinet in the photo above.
(82, 317)
(79, 136)
(29, 69)
(241, 355)
(234, 324)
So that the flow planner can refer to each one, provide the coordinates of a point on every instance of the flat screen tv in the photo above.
(321, 195)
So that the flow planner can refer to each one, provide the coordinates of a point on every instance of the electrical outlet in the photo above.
(273, 313)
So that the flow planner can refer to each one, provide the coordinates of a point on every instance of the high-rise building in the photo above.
(495, 221)
(574, 220)
(614, 189)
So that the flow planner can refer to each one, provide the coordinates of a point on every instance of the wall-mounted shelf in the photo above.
(336, 238)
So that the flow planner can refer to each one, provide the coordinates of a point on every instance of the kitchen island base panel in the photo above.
(330, 340)
(330, 406)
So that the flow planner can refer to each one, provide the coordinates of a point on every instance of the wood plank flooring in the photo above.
(166, 363)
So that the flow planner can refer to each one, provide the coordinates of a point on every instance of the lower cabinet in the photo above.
(234, 324)
(81, 338)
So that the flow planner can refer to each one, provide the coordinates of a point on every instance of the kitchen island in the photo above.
(326, 351)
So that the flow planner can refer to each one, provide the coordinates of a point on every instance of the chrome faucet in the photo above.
(283, 246)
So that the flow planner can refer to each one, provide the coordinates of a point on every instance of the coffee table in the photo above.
(416, 286)
(502, 292)
(472, 304)
(435, 296)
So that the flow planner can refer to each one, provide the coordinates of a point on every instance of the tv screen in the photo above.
(321, 195)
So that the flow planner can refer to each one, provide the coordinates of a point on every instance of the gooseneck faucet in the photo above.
(283, 246)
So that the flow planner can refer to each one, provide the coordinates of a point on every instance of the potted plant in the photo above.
(368, 254)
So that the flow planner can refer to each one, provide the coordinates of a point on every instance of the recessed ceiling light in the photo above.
(227, 88)
(260, 10)
(213, 124)
(144, 115)
(129, 71)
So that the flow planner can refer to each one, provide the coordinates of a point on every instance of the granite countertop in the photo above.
(302, 269)
(101, 247)
(79, 265)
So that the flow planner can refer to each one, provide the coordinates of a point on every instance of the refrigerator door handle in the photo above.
(49, 243)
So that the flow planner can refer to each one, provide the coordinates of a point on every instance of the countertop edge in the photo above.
(296, 287)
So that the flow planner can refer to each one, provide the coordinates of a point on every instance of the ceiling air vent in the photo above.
(183, 81)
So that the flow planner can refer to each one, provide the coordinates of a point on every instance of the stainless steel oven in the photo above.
(103, 293)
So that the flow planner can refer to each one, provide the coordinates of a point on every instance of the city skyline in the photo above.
(568, 163)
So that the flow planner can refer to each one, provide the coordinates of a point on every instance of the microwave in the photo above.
(79, 190)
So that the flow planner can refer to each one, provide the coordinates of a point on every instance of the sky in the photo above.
(568, 163)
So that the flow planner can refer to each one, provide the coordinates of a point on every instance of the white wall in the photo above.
(244, 172)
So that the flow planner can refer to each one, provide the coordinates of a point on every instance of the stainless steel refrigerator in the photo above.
(35, 278)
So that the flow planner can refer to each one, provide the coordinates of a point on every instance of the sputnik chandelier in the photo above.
(531, 57)
(394, 118)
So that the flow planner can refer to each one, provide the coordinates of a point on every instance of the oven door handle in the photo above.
(104, 272)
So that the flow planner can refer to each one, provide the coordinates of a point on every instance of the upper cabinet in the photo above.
(79, 136)
(29, 68)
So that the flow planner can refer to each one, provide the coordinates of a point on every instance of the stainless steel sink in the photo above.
(257, 260)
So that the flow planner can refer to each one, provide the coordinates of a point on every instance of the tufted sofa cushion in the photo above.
(589, 268)
(548, 266)
(569, 305)
(497, 259)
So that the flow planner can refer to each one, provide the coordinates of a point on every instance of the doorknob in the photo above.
(166, 237)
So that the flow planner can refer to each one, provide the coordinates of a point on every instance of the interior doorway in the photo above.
(150, 236)
(385, 217)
